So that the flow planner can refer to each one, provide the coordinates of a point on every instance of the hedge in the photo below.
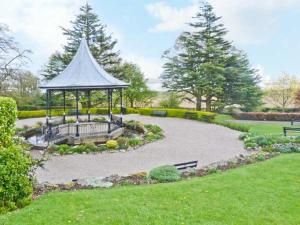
(178, 113)
(264, 116)
(8, 116)
(15, 164)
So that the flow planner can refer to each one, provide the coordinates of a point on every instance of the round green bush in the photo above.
(15, 186)
(165, 174)
(112, 144)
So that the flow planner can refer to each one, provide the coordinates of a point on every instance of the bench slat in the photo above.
(182, 166)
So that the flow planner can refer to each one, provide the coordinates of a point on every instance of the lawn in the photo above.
(263, 193)
(259, 127)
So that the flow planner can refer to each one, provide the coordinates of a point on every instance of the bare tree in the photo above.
(12, 58)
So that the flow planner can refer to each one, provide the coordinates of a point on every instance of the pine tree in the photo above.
(199, 64)
(87, 24)
(55, 65)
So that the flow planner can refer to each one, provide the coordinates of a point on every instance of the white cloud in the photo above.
(39, 20)
(151, 67)
(171, 18)
(248, 21)
(265, 78)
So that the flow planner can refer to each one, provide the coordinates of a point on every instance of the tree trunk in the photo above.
(208, 104)
(198, 103)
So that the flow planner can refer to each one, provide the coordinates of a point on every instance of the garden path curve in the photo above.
(185, 140)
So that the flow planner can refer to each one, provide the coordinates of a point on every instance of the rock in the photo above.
(122, 150)
(96, 182)
(56, 154)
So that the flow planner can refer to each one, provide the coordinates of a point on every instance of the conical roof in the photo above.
(84, 73)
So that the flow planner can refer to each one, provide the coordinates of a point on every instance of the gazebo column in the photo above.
(49, 119)
(121, 105)
(64, 115)
(89, 105)
(109, 109)
(77, 113)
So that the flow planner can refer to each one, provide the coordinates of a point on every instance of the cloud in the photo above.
(39, 20)
(252, 21)
(151, 67)
(265, 78)
(171, 18)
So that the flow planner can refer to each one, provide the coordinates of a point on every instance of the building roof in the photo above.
(84, 73)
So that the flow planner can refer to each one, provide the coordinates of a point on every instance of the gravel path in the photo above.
(185, 140)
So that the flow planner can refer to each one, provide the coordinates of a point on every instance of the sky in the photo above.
(268, 31)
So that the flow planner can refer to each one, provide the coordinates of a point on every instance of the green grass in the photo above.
(264, 193)
(259, 128)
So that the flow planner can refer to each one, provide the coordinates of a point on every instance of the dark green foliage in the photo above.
(165, 174)
(8, 116)
(101, 44)
(15, 185)
(203, 64)
(15, 164)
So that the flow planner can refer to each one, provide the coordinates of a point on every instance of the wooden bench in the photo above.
(186, 165)
(159, 113)
(73, 112)
(292, 129)
(294, 121)
(191, 115)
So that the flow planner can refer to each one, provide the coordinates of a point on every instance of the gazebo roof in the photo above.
(84, 73)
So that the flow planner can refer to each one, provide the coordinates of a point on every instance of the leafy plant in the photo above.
(112, 144)
(165, 174)
(135, 141)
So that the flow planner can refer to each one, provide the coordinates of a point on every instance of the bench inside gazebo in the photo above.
(83, 75)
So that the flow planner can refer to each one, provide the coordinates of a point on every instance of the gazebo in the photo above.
(83, 74)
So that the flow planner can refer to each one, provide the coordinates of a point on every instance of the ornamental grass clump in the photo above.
(165, 174)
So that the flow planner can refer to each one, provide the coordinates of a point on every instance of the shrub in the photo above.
(206, 116)
(165, 174)
(71, 120)
(112, 144)
(63, 149)
(153, 128)
(234, 126)
(135, 141)
(15, 185)
(102, 148)
(268, 116)
(135, 126)
(31, 114)
(8, 116)
(100, 119)
(122, 142)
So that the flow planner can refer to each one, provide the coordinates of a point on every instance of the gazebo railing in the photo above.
(82, 129)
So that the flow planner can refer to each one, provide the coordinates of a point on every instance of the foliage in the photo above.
(135, 141)
(86, 24)
(207, 67)
(164, 174)
(123, 142)
(172, 101)
(138, 93)
(282, 92)
(135, 126)
(112, 144)
(15, 185)
(233, 125)
(153, 128)
(267, 116)
(8, 116)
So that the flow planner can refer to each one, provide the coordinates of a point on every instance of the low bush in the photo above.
(123, 142)
(265, 116)
(133, 142)
(112, 144)
(135, 126)
(165, 174)
(233, 126)
(15, 185)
